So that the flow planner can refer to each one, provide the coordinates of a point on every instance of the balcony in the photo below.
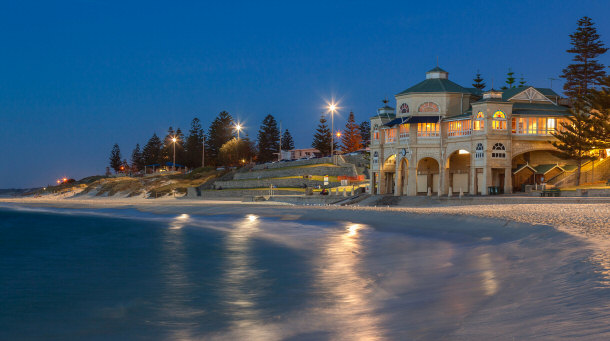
(458, 133)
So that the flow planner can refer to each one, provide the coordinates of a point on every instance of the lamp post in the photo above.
(238, 128)
(174, 163)
(332, 107)
(203, 152)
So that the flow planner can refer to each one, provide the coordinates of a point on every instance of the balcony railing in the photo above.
(457, 133)
(404, 136)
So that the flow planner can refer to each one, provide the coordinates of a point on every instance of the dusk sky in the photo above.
(78, 76)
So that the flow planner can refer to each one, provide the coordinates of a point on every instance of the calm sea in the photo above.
(125, 275)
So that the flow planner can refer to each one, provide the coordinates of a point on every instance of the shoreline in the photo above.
(587, 218)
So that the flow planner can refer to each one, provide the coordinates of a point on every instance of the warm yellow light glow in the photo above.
(252, 217)
(65, 179)
(238, 127)
(462, 151)
(174, 139)
(333, 106)
(352, 230)
(338, 134)
(183, 216)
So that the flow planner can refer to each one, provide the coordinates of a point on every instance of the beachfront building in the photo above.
(444, 137)
(303, 153)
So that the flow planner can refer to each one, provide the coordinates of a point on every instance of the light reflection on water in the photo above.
(176, 312)
(342, 276)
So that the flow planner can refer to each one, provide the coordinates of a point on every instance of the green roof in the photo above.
(384, 116)
(540, 109)
(508, 93)
(463, 116)
(437, 69)
(436, 85)
(569, 167)
(475, 91)
(543, 169)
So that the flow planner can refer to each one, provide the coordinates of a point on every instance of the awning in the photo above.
(413, 119)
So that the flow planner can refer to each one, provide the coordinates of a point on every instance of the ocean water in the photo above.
(126, 275)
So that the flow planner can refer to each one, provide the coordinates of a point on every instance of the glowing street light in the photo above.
(338, 134)
(174, 139)
(332, 107)
(238, 128)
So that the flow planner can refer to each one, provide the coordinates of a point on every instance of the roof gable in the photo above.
(529, 94)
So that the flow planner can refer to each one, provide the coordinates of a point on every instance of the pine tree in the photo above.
(478, 82)
(287, 141)
(365, 132)
(522, 81)
(351, 140)
(599, 102)
(586, 72)
(268, 140)
(575, 138)
(137, 161)
(219, 133)
(168, 145)
(152, 152)
(115, 158)
(194, 144)
(180, 152)
(510, 80)
(322, 138)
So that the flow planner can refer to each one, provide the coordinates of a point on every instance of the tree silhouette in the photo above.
(585, 72)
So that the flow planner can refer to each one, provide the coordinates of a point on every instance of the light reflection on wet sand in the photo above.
(342, 280)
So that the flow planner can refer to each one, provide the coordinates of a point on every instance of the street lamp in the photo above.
(174, 139)
(332, 107)
(238, 128)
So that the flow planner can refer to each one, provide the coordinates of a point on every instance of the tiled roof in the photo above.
(436, 85)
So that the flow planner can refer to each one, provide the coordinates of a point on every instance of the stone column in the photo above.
(487, 179)
(412, 181)
(508, 180)
(381, 186)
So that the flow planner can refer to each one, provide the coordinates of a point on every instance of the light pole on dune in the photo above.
(238, 128)
(174, 163)
(332, 107)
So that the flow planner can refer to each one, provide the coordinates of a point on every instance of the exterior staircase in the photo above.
(590, 171)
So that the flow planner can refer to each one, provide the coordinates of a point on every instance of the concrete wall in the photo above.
(265, 183)
(283, 172)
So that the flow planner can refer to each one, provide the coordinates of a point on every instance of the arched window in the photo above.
(499, 120)
(498, 151)
(479, 121)
(404, 108)
(428, 107)
(375, 157)
(479, 151)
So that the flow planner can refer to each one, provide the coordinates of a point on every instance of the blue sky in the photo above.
(78, 76)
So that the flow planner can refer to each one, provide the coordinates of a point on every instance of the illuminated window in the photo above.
(390, 135)
(427, 130)
(428, 107)
(479, 121)
(459, 128)
(479, 151)
(404, 108)
(498, 151)
(499, 121)
(403, 130)
(376, 133)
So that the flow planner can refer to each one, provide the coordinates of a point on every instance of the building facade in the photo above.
(446, 138)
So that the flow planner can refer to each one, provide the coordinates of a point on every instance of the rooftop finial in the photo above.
(436, 61)
(385, 101)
